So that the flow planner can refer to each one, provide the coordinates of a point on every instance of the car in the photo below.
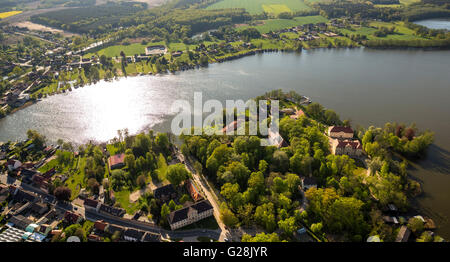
(204, 230)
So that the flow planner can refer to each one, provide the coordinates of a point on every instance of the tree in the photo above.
(93, 186)
(280, 161)
(416, 225)
(177, 174)
(141, 181)
(63, 193)
(227, 216)
(288, 225)
(262, 237)
(37, 139)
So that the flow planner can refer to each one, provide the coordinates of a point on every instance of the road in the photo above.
(209, 194)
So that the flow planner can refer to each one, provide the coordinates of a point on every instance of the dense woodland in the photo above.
(260, 185)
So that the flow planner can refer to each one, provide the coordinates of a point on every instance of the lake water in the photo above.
(441, 23)
(370, 87)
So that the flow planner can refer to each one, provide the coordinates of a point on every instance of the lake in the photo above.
(440, 23)
(370, 87)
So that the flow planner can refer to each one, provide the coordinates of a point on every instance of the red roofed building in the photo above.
(72, 218)
(100, 225)
(193, 191)
(116, 161)
(298, 114)
(346, 147)
(340, 132)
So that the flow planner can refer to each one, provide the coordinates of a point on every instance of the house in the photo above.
(133, 235)
(191, 214)
(40, 181)
(20, 195)
(403, 234)
(155, 50)
(165, 193)
(100, 225)
(177, 54)
(193, 191)
(340, 132)
(116, 161)
(114, 229)
(39, 208)
(151, 237)
(45, 229)
(91, 204)
(346, 147)
(115, 211)
(390, 220)
(13, 164)
(297, 114)
(309, 182)
(94, 238)
(72, 217)
(20, 222)
(275, 139)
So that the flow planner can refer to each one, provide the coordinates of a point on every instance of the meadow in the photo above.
(259, 6)
(278, 24)
(402, 32)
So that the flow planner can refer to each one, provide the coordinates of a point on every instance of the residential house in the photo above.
(165, 193)
(191, 214)
(133, 235)
(193, 191)
(100, 225)
(72, 217)
(114, 229)
(403, 234)
(340, 132)
(346, 147)
(20, 222)
(151, 237)
(115, 211)
(116, 161)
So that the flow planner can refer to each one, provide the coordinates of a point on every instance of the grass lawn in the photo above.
(162, 168)
(403, 33)
(76, 181)
(123, 197)
(259, 6)
(278, 24)
(8, 14)
(207, 223)
(408, 2)
(113, 51)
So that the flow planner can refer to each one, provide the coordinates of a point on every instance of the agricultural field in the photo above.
(8, 14)
(259, 6)
(402, 32)
(278, 24)
(408, 2)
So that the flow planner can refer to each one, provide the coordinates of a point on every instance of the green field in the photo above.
(259, 6)
(278, 24)
(402, 32)
(408, 2)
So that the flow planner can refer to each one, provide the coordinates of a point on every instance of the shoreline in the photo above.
(216, 61)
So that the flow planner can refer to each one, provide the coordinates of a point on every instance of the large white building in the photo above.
(191, 214)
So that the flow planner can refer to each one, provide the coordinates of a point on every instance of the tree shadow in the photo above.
(436, 159)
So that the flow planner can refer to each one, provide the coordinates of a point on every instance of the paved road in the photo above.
(210, 194)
